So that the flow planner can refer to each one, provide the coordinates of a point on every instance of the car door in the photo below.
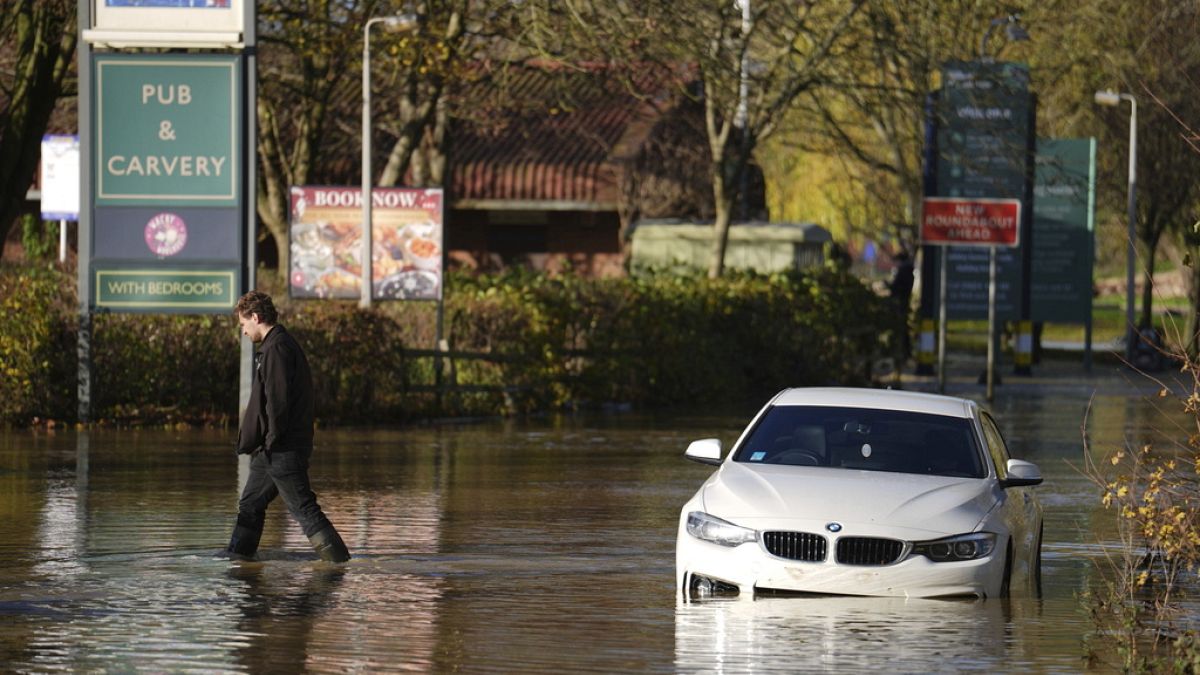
(1020, 509)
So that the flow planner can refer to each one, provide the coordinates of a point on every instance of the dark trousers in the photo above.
(283, 474)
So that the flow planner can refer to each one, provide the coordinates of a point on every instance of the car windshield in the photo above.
(868, 439)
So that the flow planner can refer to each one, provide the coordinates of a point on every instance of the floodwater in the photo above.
(544, 545)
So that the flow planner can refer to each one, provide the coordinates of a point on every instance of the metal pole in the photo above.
(249, 215)
(1131, 254)
(83, 347)
(943, 253)
(741, 117)
(62, 241)
(440, 342)
(364, 300)
(991, 349)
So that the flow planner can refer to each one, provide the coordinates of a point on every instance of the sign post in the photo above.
(959, 221)
(1063, 234)
(979, 168)
(164, 224)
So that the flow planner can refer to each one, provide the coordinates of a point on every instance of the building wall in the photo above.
(586, 241)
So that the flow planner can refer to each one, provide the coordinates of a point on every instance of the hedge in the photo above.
(554, 341)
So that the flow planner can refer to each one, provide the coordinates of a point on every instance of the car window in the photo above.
(864, 439)
(996, 445)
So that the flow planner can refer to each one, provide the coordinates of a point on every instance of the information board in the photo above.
(983, 141)
(1063, 231)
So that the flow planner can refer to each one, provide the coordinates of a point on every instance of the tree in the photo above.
(309, 52)
(37, 52)
(871, 119)
(310, 92)
(422, 68)
(753, 60)
(1146, 49)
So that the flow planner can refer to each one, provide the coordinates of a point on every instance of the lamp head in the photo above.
(400, 23)
(1015, 31)
(1108, 97)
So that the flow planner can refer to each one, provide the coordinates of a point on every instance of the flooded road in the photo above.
(541, 546)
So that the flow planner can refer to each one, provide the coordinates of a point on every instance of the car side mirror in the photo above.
(705, 451)
(1021, 473)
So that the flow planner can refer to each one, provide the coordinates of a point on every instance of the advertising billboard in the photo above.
(325, 243)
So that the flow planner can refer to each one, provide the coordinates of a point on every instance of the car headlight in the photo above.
(710, 528)
(957, 548)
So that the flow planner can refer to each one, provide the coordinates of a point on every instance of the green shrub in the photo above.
(37, 344)
(552, 341)
(164, 368)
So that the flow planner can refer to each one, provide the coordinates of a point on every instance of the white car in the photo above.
(862, 492)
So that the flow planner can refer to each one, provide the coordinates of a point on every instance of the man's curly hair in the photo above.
(257, 302)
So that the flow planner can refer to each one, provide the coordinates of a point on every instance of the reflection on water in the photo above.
(502, 546)
(856, 635)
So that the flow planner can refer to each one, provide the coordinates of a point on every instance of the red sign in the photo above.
(971, 222)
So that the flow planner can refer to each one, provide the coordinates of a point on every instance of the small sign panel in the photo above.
(971, 222)
(60, 177)
(158, 290)
(182, 16)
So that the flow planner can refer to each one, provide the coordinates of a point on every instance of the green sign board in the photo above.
(167, 168)
(165, 290)
(983, 135)
(167, 129)
(1063, 230)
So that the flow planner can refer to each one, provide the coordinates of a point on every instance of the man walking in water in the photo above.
(277, 432)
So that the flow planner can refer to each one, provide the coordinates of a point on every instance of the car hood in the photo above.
(781, 496)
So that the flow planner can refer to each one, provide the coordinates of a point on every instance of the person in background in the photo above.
(277, 432)
(900, 288)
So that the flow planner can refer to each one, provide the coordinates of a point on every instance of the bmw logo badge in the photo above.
(833, 527)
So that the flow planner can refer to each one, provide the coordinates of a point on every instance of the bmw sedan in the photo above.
(862, 492)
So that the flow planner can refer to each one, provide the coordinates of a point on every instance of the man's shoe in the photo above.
(244, 543)
(329, 545)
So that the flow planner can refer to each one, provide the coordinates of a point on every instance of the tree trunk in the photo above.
(720, 234)
(1148, 282)
(280, 235)
(43, 49)
(437, 145)
(271, 200)
(1193, 324)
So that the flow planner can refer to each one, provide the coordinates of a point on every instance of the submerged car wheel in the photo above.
(699, 587)
(1006, 584)
(1037, 565)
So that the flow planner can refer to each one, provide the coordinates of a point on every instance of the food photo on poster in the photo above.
(326, 243)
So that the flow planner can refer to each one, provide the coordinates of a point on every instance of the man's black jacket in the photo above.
(279, 416)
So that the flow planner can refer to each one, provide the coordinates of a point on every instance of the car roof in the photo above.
(881, 399)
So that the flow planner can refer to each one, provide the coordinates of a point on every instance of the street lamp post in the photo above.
(403, 22)
(1112, 98)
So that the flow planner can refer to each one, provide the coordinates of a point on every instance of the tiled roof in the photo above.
(540, 132)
